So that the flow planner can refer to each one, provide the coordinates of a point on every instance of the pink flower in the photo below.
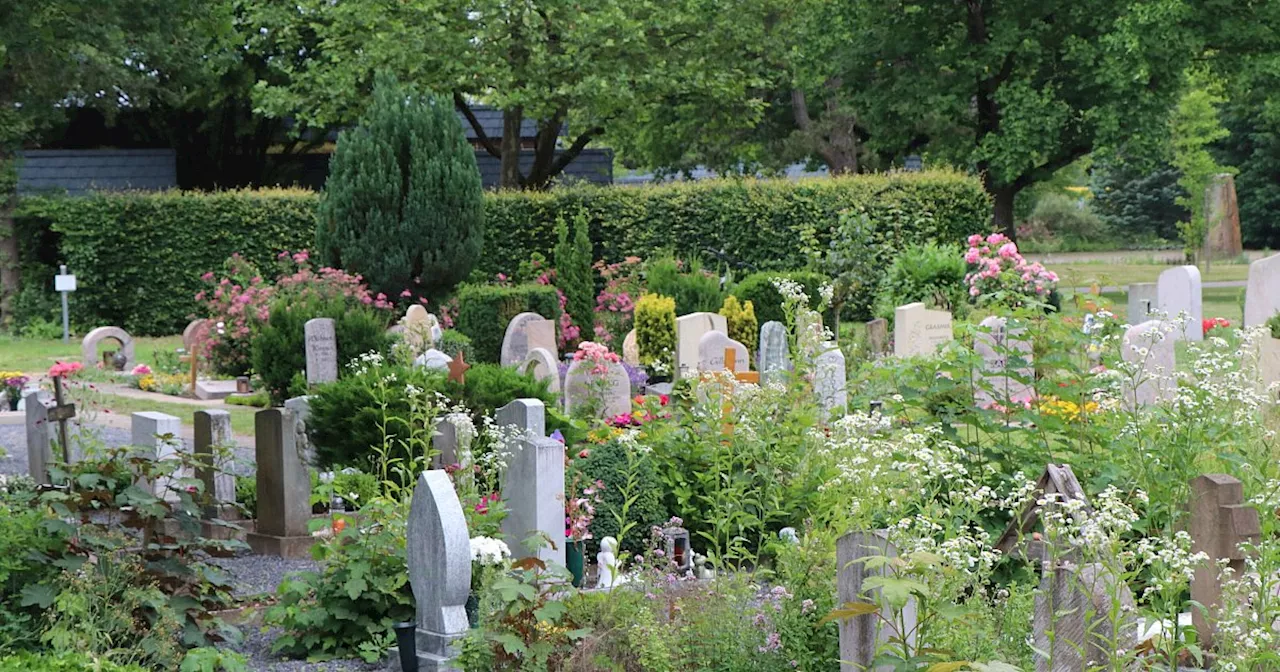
(62, 369)
(975, 240)
(972, 256)
(140, 370)
(1009, 250)
(207, 276)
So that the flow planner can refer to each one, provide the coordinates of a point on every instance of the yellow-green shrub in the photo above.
(741, 318)
(656, 330)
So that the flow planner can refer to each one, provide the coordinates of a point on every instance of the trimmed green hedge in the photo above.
(485, 310)
(139, 256)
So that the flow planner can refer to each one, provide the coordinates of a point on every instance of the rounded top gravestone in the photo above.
(89, 346)
(195, 334)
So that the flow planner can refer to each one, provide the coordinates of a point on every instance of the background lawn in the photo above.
(37, 355)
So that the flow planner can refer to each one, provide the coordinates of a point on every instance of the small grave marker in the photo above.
(65, 283)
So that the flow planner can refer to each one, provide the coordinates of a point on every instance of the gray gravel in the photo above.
(257, 646)
(13, 439)
(257, 574)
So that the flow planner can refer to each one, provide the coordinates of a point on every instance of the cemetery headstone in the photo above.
(829, 381)
(39, 438)
(1222, 214)
(195, 333)
(919, 331)
(301, 407)
(161, 432)
(89, 346)
(525, 332)
(542, 363)
(998, 344)
(1220, 522)
(1149, 349)
(284, 487)
(711, 349)
(322, 350)
(631, 349)
(1268, 363)
(1179, 295)
(1262, 292)
(533, 483)
(1142, 302)
(420, 328)
(1075, 604)
(860, 636)
(452, 441)
(438, 554)
(689, 331)
(211, 443)
(775, 351)
(878, 337)
(611, 391)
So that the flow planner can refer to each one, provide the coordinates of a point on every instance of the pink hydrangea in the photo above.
(1005, 269)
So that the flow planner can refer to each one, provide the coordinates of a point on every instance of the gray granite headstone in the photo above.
(774, 356)
(1142, 302)
(322, 350)
(525, 332)
(39, 437)
(878, 337)
(1179, 295)
(711, 348)
(581, 387)
(1149, 350)
(212, 443)
(1000, 379)
(438, 553)
(533, 483)
(284, 487)
(860, 636)
(89, 345)
(829, 381)
(160, 432)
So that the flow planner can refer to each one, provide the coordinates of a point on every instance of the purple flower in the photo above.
(557, 436)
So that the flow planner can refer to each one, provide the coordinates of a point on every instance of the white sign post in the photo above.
(65, 284)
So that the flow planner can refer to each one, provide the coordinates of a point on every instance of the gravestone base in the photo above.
(428, 661)
(289, 548)
(227, 513)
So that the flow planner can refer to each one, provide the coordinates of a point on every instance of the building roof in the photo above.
(490, 119)
(81, 170)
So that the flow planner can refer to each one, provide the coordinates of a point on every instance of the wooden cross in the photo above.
(61, 413)
(194, 360)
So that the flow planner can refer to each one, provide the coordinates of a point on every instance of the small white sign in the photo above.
(64, 283)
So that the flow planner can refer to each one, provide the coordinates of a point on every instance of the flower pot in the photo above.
(473, 610)
(573, 557)
(13, 400)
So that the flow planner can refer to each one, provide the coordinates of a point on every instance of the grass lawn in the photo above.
(1217, 302)
(241, 416)
(36, 355)
(1084, 274)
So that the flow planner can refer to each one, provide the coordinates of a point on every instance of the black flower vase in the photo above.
(13, 400)
(473, 610)
(407, 642)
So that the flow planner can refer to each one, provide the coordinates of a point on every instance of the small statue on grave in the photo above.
(607, 562)
(788, 534)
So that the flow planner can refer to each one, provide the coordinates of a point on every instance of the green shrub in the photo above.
(759, 290)
(453, 341)
(740, 318)
(771, 225)
(403, 202)
(608, 463)
(656, 331)
(485, 310)
(1061, 217)
(573, 272)
(27, 552)
(694, 290)
(279, 349)
(66, 661)
(344, 424)
(930, 273)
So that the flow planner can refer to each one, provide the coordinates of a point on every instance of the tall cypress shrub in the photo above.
(403, 204)
(573, 273)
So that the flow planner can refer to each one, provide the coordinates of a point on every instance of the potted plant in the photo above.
(579, 511)
(13, 382)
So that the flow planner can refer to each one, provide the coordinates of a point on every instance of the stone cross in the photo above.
(1262, 292)
(525, 332)
(774, 356)
(322, 350)
(1178, 292)
(860, 636)
(830, 382)
(1220, 523)
(438, 551)
(212, 438)
(39, 440)
(284, 487)
(533, 482)
(1149, 348)
(159, 432)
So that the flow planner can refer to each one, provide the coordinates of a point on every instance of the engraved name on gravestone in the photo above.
(322, 351)
(920, 331)
(711, 349)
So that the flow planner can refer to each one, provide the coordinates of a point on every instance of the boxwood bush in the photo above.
(608, 463)
(485, 310)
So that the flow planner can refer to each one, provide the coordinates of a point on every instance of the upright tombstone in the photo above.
(160, 432)
(1222, 215)
(689, 331)
(1178, 292)
(1076, 625)
(1220, 522)
(89, 345)
(301, 407)
(525, 332)
(878, 337)
(829, 381)
(631, 349)
(1262, 293)
(195, 333)
(774, 356)
(533, 483)
(421, 329)
(582, 386)
(919, 331)
(542, 363)
(860, 636)
(438, 553)
(211, 442)
(322, 350)
(1149, 349)
(1142, 302)
(39, 438)
(711, 349)
(284, 487)
(997, 344)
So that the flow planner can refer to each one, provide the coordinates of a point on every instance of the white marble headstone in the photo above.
(1178, 292)
(919, 331)
(1262, 294)
(542, 363)
(525, 332)
(322, 351)
(689, 331)
(829, 380)
(711, 349)
(1149, 350)
(997, 345)
(1142, 302)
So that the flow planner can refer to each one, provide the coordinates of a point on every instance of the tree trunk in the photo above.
(509, 171)
(10, 273)
(1002, 217)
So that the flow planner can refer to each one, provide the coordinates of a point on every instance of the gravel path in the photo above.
(13, 439)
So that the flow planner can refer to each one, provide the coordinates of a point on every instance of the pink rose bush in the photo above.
(596, 354)
(998, 272)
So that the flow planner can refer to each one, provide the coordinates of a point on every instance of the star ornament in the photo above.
(458, 369)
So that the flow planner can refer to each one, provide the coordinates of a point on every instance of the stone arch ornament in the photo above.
(89, 346)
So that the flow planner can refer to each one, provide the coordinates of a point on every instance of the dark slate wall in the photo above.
(592, 165)
(78, 171)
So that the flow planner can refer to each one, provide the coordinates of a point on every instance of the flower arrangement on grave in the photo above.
(598, 357)
(646, 409)
(580, 508)
(65, 369)
(1208, 324)
(11, 383)
(999, 274)
(488, 557)
(140, 370)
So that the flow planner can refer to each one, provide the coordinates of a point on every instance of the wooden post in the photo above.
(62, 413)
